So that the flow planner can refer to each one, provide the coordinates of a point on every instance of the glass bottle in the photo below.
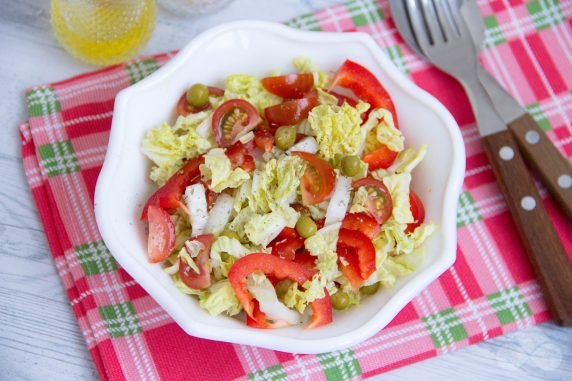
(103, 32)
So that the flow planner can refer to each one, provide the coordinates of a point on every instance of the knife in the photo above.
(538, 151)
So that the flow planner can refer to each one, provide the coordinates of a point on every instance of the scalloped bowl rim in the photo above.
(265, 338)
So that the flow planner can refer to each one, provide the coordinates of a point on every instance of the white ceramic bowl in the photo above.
(258, 48)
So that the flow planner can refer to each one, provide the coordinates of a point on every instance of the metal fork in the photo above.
(444, 38)
(448, 44)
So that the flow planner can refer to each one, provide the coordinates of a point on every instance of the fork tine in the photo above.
(432, 21)
(442, 7)
(454, 10)
(418, 28)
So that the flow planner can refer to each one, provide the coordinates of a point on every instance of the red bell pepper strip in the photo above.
(169, 195)
(363, 248)
(260, 321)
(381, 157)
(365, 86)
(349, 265)
(363, 222)
(287, 248)
(280, 269)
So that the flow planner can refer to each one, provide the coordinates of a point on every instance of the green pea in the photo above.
(371, 289)
(306, 227)
(351, 165)
(282, 288)
(340, 300)
(285, 137)
(198, 95)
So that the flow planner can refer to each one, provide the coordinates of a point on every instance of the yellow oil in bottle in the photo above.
(103, 32)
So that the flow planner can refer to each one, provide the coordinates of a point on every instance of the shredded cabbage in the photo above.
(220, 298)
(228, 245)
(276, 183)
(218, 169)
(249, 88)
(338, 128)
(322, 245)
(263, 291)
(261, 229)
(359, 201)
(398, 186)
(313, 289)
(168, 149)
(405, 162)
(384, 132)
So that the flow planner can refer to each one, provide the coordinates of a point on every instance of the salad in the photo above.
(286, 196)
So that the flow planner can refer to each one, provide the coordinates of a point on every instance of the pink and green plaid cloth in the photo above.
(489, 291)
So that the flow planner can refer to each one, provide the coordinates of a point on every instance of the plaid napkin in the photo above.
(490, 290)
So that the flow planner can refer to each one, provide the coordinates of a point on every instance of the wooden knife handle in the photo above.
(539, 152)
(548, 258)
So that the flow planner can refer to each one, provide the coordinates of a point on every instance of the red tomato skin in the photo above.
(365, 86)
(280, 269)
(418, 211)
(363, 248)
(170, 194)
(239, 157)
(290, 112)
(362, 222)
(289, 86)
(162, 236)
(380, 215)
(318, 180)
(250, 120)
(382, 157)
(264, 140)
(201, 280)
(286, 248)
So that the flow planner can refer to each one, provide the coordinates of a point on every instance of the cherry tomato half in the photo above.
(290, 112)
(201, 280)
(289, 86)
(162, 237)
(379, 203)
(318, 180)
(184, 108)
(233, 118)
(418, 211)
(169, 195)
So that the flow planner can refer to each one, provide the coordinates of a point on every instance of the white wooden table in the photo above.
(39, 338)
